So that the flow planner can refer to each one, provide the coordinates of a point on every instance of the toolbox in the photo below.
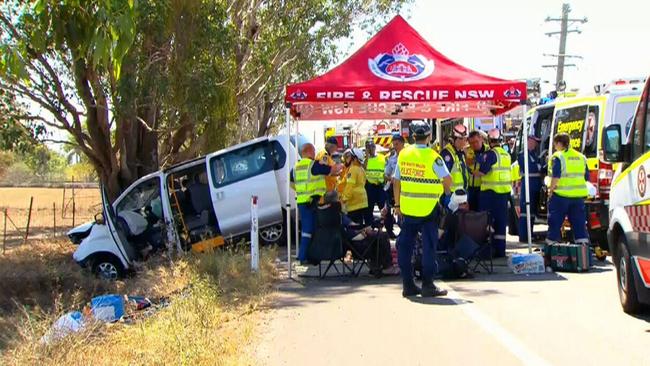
(568, 257)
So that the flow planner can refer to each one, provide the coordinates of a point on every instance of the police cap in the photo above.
(420, 128)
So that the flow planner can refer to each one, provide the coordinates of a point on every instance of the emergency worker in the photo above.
(454, 156)
(354, 196)
(477, 147)
(567, 191)
(389, 172)
(535, 183)
(309, 181)
(325, 157)
(421, 181)
(495, 188)
(375, 179)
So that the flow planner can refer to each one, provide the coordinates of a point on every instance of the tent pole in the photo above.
(288, 189)
(296, 218)
(524, 139)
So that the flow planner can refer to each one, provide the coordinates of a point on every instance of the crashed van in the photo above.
(195, 202)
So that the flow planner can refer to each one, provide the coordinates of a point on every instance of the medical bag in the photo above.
(568, 257)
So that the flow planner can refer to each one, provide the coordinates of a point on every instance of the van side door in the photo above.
(236, 176)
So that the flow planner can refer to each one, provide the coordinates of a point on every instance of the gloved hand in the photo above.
(445, 199)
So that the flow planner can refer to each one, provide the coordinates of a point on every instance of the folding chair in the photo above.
(327, 242)
(478, 227)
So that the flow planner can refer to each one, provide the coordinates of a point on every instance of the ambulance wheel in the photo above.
(625, 275)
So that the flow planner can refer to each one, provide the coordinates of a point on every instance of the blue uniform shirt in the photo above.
(534, 166)
(487, 160)
(557, 169)
(391, 165)
(440, 169)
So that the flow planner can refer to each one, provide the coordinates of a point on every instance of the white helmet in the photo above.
(358, 153)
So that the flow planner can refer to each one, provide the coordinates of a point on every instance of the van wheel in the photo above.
(625, 275)
(108, 268)
(272, 234)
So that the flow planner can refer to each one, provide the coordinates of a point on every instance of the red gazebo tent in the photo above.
(399, 75)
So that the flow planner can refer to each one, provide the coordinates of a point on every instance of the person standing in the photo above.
(375, 179)
(421, 181)
(325, 157)
(477, 148)
(454, 157)
(309, 182)
(354, 195)
(389, 172)
(495, 188)
(567, 191)
(535, 183)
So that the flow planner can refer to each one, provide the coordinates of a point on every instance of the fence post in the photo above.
(54, 216)
(74, 209)
(29, 219)
(255, 246)
(4, 235)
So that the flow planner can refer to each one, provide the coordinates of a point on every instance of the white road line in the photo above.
(512, 344)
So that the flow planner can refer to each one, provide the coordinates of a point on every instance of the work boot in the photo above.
(430, 290)
(411, 289)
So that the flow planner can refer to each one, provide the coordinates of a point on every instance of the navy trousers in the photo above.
(410, 226)
(574, 209)
(473, 194)
(497, 205)
(307, 226)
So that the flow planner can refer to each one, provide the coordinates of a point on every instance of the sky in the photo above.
(506, 39)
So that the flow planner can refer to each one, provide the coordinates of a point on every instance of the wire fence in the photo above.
(45, 212)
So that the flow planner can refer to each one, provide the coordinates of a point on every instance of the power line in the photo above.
(565, 23)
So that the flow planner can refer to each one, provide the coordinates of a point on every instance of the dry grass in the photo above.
(211, 319)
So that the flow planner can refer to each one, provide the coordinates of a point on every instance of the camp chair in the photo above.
(478, 227)
(328, 242)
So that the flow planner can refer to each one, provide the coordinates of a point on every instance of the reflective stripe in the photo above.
(306, 235)
(420, 180)
(572, 183)
(500, 237)
(534, 175)
(420, 195)
(499, 178)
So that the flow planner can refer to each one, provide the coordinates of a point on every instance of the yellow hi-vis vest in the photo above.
(474, 165)
(421, 188)
(307, 185)
(456, 173)
(498, 179)
(375, 170)
(572, 182)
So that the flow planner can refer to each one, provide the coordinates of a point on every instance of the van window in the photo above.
(572, 121)
(640, 142)
(591, 133)
(623, 115)
(141, 196)
(279, 155)
(241, 164)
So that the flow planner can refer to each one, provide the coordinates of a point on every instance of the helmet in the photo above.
(358, 153)
(397, 137)
(460, 131)
(495, 134)
(420, 128)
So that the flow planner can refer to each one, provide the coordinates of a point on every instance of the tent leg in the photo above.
(288, 190)
(524, 139)
(296, 218)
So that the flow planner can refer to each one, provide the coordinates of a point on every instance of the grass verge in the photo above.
(211, 318)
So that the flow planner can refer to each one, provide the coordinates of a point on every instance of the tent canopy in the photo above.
(397, 74)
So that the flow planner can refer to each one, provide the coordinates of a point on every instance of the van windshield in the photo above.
(623, 114)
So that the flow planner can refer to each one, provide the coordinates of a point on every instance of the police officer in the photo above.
(477, 148)
(495, 188)
(535, 184)
(309, 182)
(325, 157)
(454, 157)
(567, 191)
(391, 166)
(375, 166)
(421, 181)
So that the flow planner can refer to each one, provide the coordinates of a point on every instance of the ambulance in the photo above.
(629, 204)
(584, 118)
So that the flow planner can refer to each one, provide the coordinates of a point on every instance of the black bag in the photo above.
(376, 249)
(327, 239)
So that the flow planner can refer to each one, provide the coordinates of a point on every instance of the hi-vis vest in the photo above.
(457, 174)
(572, 182)
(473, 165)
(421, 188)
(375, 170)
(498, 179)
(307, 185)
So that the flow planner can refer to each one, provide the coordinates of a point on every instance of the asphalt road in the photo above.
(504, 319)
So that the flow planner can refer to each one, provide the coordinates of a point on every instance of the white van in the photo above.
(187, 203)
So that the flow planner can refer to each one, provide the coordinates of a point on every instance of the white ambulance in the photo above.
(629, 204)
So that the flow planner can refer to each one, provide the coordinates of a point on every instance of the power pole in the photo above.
(565, 22)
